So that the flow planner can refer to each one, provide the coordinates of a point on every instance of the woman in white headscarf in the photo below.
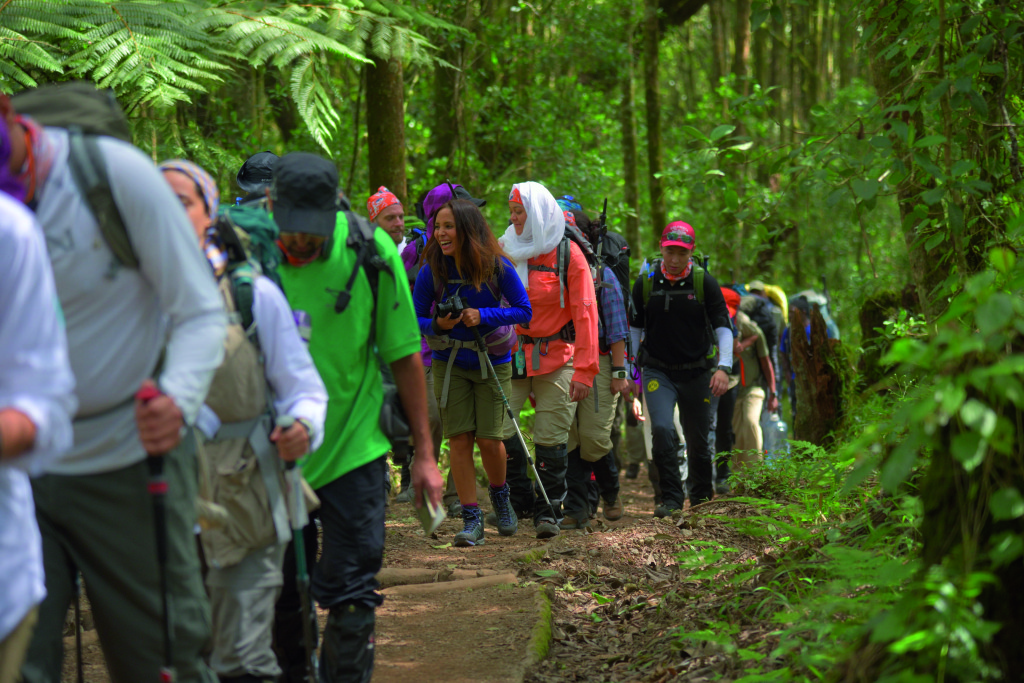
(558, 349)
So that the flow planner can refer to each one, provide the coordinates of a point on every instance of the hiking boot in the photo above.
(570, 523)
(405, 484)
(491, 519)
(722, 487)
(505, 516)
(455, 509)
(632, 470)
(473, 531)
(664, 510)
(613, 510)
(546, 529)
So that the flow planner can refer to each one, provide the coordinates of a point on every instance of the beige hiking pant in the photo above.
(746, 423)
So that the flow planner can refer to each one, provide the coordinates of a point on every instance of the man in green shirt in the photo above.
(348, 471)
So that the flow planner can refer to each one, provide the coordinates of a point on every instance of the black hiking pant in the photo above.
(663, 390)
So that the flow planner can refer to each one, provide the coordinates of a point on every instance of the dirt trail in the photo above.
(496, 634)
(561, 589)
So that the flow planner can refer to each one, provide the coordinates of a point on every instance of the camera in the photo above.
(453, 307)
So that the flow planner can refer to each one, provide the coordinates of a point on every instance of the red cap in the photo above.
(678, 234)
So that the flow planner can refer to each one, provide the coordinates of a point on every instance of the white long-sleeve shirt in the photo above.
(289, 369)
(35, 379)
(119, 319)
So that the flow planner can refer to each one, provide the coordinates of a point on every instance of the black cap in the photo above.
(257, 172)
(305, 194)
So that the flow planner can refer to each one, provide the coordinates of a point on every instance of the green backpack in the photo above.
(249, 237)
(86, 113)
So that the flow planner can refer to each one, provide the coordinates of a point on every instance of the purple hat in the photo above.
(9, 183)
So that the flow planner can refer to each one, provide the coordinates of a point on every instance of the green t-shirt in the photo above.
(344, 354)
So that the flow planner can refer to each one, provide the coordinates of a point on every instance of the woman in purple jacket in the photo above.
(463, 259)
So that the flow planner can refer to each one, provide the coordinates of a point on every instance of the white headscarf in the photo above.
(543, 230)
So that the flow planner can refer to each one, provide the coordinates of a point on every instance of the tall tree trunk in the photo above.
(385, 126)
(653, 103)
(927, 269)
(741, 40)
(719, 50)
(444, 132)
(777, 75)
(757, 57)
(631, 172)
(812, 47)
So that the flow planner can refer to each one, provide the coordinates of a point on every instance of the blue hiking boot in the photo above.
(473, 532)
(506, 521)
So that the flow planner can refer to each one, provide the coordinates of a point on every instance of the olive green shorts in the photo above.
(474, 404)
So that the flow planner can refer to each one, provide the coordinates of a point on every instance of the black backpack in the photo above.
(763, 312)
(613, 251)
(86, 113)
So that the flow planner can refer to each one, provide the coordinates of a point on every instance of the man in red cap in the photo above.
(683, 318)
(385, 209)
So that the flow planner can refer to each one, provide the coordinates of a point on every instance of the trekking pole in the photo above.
(157, 488)
(511, 416)
(299, 519)
(78, 626)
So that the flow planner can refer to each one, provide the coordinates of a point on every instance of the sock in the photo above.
(472, 505)
(498, 487)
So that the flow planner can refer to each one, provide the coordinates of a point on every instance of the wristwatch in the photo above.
(725, 368)
(619, 373)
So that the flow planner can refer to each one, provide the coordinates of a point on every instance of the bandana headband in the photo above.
(379, 201)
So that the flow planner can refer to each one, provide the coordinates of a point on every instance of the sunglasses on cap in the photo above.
(679, 236)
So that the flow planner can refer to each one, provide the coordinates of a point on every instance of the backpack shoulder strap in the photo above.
(242, 290)
(90, 174)
(564, 253)
(654, 269)
(698, 283)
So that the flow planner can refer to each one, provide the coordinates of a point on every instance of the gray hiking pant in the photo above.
(243, 598)
(102, 526)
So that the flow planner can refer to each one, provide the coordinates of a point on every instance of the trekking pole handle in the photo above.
(157, 484)
(284, 422)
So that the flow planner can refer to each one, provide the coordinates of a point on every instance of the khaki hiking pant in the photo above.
(554, 409)
(14, 647)
(243, 598)
(102, 526)
(592, 430)
(746, 423)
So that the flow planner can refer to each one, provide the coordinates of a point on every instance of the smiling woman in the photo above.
(467, 273)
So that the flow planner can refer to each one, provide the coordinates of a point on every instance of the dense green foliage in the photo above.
(872, 144)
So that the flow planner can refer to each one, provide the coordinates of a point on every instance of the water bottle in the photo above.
(779, 436)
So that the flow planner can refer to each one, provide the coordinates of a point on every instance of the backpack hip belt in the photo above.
(652, 362)
(567, 334)
(257, 432)
(438, 343)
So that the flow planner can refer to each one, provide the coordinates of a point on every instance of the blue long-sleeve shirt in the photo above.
(615, 326)
(492, 314)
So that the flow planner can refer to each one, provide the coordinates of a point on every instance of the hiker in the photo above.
(755, 369)
(590, 445)
(682, 315)
(467, 273)
(558, 350)
(386, 212)
(160, 325)
(724, 407)
(266, 358)
(36, 404)
(412, 258)
(353, 317)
